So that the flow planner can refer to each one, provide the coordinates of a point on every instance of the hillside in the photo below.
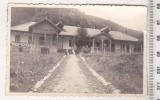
(68, 16)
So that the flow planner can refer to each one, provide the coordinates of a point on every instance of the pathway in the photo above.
(73, 76)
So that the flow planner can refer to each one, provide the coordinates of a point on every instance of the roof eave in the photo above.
(19, 30)
(126, 40)
(45, 20)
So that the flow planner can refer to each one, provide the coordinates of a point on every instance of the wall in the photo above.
(48, 40)
(119, 43)
(102, 36)
(44, 27)
(23, 35)
(48, 43)
(40, 30)
(66, 43)
(99, 40)
(36, 47)
(24, 40)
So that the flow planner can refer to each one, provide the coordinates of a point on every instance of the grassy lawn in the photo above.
(27, 69)
(124, 71)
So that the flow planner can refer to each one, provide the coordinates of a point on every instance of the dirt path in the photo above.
(73, 80)
(72, 76)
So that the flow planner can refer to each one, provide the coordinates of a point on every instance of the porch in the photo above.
(101, 44)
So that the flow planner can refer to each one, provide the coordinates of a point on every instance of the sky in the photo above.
(133, 17)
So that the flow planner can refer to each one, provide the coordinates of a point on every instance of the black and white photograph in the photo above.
(77, 50)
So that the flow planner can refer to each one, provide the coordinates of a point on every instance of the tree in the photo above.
(82, 38)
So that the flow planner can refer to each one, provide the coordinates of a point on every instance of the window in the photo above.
(54, 39)
(139, 48)
(127, 48)
(41, 40)
(106, 43)
(29, 39)
(17, 39)
(97, 44)
(90, 44)
(135, 47)
(122, 47)
(112, 47)
(70, 43)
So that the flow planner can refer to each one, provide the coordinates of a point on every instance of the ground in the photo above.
(72, 76)
(26, 69)
(77, 73)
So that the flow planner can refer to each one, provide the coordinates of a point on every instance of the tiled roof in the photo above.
(69, 31)
(72, 31)
(93, 32)
(23, 27)
(121, 36)
(43, 21)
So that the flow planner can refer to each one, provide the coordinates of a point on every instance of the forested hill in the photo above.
(67, 16)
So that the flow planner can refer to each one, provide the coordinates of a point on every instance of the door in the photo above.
(112, 47)
(17, 38)
(127, 48)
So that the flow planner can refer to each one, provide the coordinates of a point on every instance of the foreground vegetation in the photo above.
(124, 71)
(27, 69)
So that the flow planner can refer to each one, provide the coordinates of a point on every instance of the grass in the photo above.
(124, 71)
(27, 69)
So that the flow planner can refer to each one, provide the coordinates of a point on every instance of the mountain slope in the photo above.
(68, 16)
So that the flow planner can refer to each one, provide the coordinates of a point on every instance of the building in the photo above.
(47, 37)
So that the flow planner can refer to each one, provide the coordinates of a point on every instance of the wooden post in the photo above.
(74, 43)
(102, 40)
(110, 46)
(44, 38)
(57, 39)
(32, 42)
(93, 44)
(104, 45)
(62, 42)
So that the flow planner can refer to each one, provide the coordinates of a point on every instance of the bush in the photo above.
(124, 71)
(26, 69)
(86, 49)
(60, 50)
(77, 51)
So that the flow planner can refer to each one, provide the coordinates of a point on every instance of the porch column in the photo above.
(44, 38)
(57, 39)
(110, 44)
(102, 40)
(93, 44)
(32, 42)
(62, 42)
(74, 43)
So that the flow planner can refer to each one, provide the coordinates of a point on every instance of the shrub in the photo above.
(86, 49)
(26, 69)
(124, 71)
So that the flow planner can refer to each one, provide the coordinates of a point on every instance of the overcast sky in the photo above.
(132, 17)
